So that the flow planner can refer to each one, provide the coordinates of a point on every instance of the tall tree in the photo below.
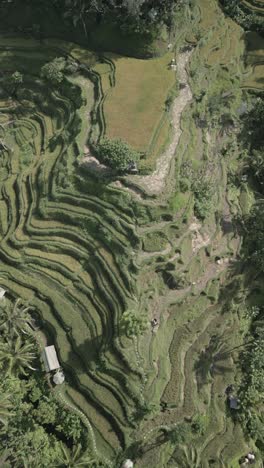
(74, 458)
(53, 71)
(5, 407)
(15, 319)
(16, 356)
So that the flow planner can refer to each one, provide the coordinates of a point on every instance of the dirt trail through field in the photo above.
(155, 182)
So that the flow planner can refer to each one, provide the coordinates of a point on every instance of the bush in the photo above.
(173, 93)
(202, 190)
(52, 71)
(117, 154)
(133, 324)
(184, 185)
(155, 241)
(199, 424)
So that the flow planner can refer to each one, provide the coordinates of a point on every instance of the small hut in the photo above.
(50, 358)
(234, 402)
(2, 293)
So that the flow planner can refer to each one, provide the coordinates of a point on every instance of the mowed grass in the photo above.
(134, 106)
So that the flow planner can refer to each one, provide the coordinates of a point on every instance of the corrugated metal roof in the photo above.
(2, 293)
(50, 358)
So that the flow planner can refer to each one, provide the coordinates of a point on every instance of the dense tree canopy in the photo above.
(140, 13)
(151, 10)
(252, 137)
(52, 71)
(35, 429)
(238, 11)
(117, 154)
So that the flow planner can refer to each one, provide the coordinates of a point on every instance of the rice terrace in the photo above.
(131, 233)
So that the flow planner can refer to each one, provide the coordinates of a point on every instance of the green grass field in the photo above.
(134, 106)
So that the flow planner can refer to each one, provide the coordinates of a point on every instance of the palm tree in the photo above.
(17, 356)
(3, 458)
(5, 406)
(74, 458)
(15, 319)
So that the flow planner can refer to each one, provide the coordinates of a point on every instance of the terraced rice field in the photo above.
(82, 249)
(62, 241)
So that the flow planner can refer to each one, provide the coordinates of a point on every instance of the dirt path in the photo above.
(155, 182)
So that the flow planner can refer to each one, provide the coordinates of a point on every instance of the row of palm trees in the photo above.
(16, 354)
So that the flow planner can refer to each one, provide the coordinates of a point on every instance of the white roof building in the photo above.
(50, 358)
(2, 293)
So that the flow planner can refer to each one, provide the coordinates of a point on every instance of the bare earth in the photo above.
(155, 182)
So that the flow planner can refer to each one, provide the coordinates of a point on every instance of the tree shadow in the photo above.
(87, 355)
(211, 360)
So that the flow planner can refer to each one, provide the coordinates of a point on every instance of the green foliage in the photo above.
(5, 407)
(254, 236)
(179, 434)
(237, 10)
(198, 424)
(252, 138)
(135, 14)
(46, 411)
(252, 385)
(203, 191)
(133, 324)
(173, 93)
(53, 71)
(33, 446)
(35, 425)
(16, 78)
(15, 319)
(70, 425)
(185, 185)
(145, 411)
(117, 154)
(17, 356)
(75, 457)
(12, 82)
(155, 242)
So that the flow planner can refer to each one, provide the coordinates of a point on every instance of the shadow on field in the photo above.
(89, 353)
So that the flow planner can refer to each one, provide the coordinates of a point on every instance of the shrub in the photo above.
(173, 93)
(52, 71)
(155, 241)
(117, 154)
(133, 324)
(202, 190)
(184, 185)
(199, 424)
